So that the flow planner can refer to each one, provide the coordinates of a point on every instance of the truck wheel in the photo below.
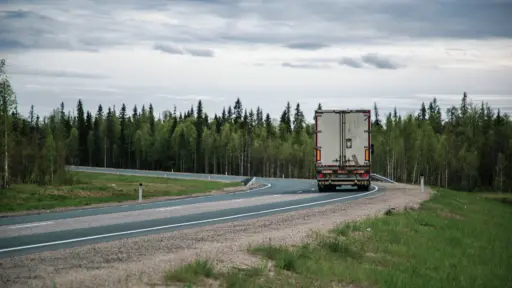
(363, 188)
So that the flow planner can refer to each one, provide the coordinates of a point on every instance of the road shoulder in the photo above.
(228, 190)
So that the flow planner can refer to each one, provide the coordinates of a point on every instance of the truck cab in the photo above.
(343, 149)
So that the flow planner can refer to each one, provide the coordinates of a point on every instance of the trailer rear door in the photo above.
(356, 136)
(328, 138)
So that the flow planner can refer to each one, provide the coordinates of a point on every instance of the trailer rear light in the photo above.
(320, 175)
(366, 155)
(365, 175)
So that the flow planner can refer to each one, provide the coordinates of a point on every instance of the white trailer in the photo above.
(343, 149)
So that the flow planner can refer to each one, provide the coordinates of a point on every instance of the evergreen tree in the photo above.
(470, 150)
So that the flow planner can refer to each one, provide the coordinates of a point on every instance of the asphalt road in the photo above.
(20, 235)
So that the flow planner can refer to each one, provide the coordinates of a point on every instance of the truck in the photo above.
(343, 149)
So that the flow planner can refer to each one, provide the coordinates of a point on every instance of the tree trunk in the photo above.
(6, 154)
(129, 153)
(414, 173)
(205, 162)
(214, 161)
(226, 164)
(446, 176)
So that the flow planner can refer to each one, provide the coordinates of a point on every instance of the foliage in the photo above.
(469, 149)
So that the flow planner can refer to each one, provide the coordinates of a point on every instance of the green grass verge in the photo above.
(503, 197)
(96, 188)
(455, 239)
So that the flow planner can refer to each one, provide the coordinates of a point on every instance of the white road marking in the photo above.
(185, 224)
(169, 208)
(29, 225)
(238, 200)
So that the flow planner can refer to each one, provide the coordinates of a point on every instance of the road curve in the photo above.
(20, 235)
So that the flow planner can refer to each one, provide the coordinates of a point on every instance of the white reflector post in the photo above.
(140, 192)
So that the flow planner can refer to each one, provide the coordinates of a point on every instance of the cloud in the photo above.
(380, 62)
(306, 46)
(373, 59)
(192, 97)
(304, 65)
(350, 62)
(25, 29)
(55, 73)
(197, 52)
(87, 26)
(116, 44)
(170, 49)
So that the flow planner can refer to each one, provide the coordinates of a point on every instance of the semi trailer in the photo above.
(343, 149)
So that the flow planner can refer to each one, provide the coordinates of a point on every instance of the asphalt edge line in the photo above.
(185, 224)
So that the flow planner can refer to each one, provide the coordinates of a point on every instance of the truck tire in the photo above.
(363, 188)
(326, 188)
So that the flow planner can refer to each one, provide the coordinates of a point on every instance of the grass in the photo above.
(191, 273)
(503, 197)
(455, 239)
(96, 188)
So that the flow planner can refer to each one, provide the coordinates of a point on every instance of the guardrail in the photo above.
(245, 180)
(248, 181)
(382, 178)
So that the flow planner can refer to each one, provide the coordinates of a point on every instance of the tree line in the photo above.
(467, 150)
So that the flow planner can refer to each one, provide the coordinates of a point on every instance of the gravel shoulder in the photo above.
(138, 262)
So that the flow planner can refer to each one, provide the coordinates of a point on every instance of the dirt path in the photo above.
(138, 261)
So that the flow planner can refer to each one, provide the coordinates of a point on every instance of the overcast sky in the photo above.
(343, 54)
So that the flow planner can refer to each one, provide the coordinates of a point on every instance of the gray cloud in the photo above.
(168, 49)
(197, 52)
(55, 73)
(379, 61)
(85, 25)
(306, 46)
(350, 62)
(304, 65)
(373, 59)
(23, 29)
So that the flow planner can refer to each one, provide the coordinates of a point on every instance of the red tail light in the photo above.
(365, 175)
(320, 175)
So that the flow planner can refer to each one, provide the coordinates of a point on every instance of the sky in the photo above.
(343, 54)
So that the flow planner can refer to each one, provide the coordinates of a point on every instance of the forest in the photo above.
(467, 148)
